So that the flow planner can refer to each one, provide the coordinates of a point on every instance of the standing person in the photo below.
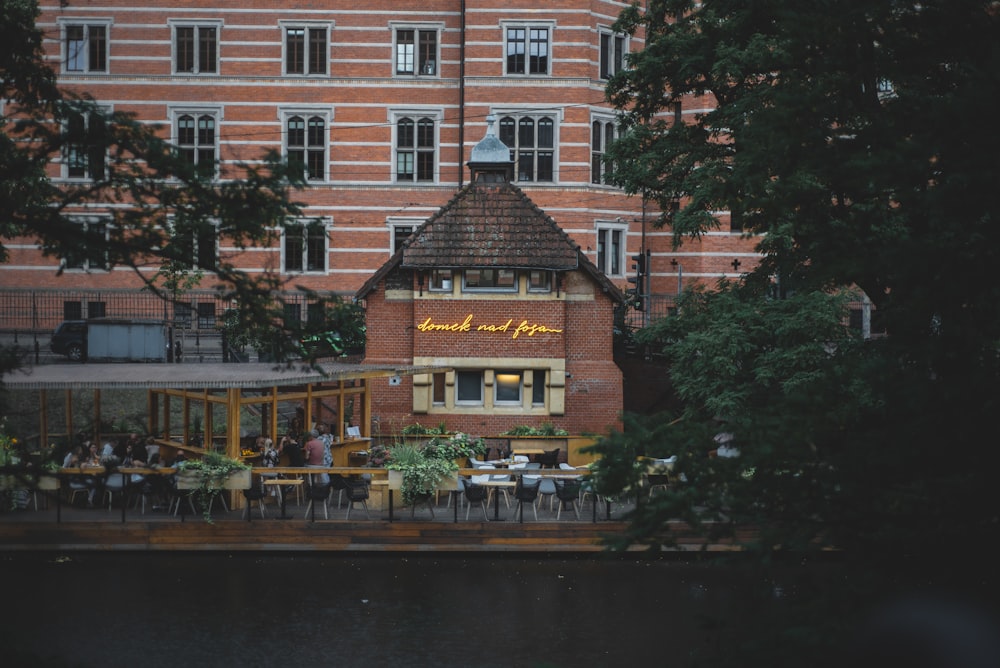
(327, 438)
(314, 454)
(271, 459)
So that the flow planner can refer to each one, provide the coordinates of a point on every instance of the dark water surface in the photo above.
(218, 609)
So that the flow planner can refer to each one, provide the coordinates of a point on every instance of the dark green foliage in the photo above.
(168, 199)
(856, 141)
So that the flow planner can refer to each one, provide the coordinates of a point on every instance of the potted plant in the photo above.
(457, 447)
(417, 433)
(208, 476)
(417, 473)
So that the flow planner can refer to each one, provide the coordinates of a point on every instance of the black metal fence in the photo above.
(24, 312)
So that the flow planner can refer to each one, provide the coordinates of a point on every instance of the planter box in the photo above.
(48, 482)
(538, 442)
(237, 480)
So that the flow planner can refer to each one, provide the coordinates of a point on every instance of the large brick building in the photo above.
(382, 105)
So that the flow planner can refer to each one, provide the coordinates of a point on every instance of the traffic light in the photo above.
(639, 280)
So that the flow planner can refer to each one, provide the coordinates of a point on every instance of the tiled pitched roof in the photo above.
(490, 225)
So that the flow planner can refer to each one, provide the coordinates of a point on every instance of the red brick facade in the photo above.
(360, 96)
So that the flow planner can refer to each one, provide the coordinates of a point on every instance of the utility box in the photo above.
(127, 340)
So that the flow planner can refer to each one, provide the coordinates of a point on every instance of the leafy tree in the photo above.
(168, 199)
(851, 139)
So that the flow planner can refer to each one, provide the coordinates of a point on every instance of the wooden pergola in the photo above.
(206, 390)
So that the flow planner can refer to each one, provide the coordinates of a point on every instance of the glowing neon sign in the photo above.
(526, 328)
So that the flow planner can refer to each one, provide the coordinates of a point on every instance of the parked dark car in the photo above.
(70, 339)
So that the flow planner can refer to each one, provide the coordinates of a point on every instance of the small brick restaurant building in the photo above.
(492, 292)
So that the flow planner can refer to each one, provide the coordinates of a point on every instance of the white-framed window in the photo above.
(528, 48)
(306, 138)
(85, 150)
(441, 280)
(416, 49)
(91, 253)
(532, 141)
(415, 145)
(603, 131)
(508, 387)
(196, 137)
(400, 230)
(196, 246)
(469, 388)
(306, 48)
(304, 247)
(85, 45)
(196, 46)
(611, 239)
(539, 280)
(489, 280)
(613, 47)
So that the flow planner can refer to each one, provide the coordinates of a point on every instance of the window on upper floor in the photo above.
(305, 144)
(531, 139)
(305, 247)
(90, 252)
(612, 53)
(441, 280)
(84, 153)
(85, 46)
(196, 49)
(603, 132)
(306, 49)
(611, 248)
(196, 139)
(527, 48)
(196, 246)
(416, 51)
(539, 280)
(489, 280)
(416, 148)
(400, 231)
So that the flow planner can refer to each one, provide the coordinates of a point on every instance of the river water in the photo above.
(219, 609)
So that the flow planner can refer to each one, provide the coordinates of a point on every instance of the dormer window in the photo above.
(493, 280)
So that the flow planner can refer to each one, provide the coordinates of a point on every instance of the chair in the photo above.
(658, 473)
(77, 486)
(475, 494)
(357, 492)
(526, 491)
(477, 463)
(546, 488)
(318, 492)
(114, 484)
(423, 498)
(549, 459)
(251, 494)
(457, 494)
(568, 491)
(338, 483)
(587, 489)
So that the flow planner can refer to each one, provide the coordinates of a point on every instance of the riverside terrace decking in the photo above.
(81, 528)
